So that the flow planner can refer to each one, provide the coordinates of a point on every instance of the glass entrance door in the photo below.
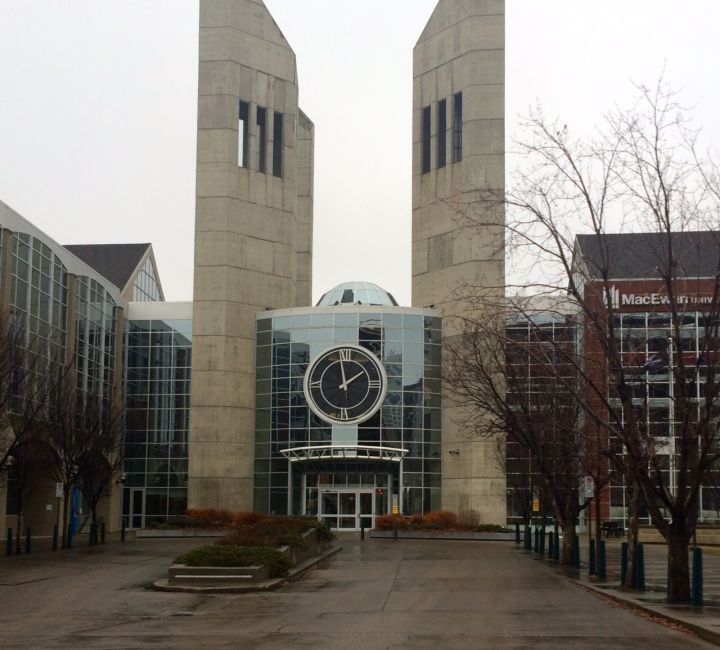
(343, 509)
(137, 507)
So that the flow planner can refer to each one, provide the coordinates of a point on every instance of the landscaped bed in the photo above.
(440, 520)
(254, 548)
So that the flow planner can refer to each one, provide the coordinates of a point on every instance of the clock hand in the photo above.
(353, 378)
(343, 386)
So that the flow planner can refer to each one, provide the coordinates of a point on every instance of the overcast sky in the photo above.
(98, 110)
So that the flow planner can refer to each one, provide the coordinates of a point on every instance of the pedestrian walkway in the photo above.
(373, 594)
(706, 620)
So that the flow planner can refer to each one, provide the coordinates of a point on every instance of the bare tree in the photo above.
(101, 428)
(82, 441)
(641, 173)
(509, 374)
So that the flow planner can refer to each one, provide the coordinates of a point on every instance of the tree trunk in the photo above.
(678, 566)
(634, 499)
(568, 543)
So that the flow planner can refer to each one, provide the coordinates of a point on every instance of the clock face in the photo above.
(345, 384)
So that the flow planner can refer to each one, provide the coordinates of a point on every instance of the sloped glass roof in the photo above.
(357, 293)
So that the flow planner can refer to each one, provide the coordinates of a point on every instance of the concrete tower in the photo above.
(458, 155)
(253, 232)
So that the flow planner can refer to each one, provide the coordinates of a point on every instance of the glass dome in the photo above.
(357, 293)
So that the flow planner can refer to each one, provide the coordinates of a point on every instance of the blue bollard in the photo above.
(9, 542)
(602, 569)
(640, 567)
(697, 578)
(591, 558)
(623, 563)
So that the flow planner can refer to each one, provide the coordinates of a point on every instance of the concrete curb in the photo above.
(657, 611)
(268, 585)
(419, 534)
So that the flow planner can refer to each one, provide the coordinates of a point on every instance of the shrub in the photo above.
(271, 531)
(386, 522)
(242, 518)
(417, 521)
(236, 556)
(440, 519)
(211, 518)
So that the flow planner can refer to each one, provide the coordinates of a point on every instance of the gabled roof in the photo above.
(116, 262)
(634, 256)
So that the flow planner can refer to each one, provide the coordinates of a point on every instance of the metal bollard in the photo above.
(102, 532)
(556, 548)
(122, 530)
(55, 537)
(527, 540)
(542, 540)
(69, 536)
(623, 563)
(362, 529)
(28, 540)
(602, 569)
(92, 537)
(517, 534)
(395, 530)
(536, 546)
(576, 552)
(696, 591)
(9, 542)
(551, 548)
(591, 558)
(640, 567)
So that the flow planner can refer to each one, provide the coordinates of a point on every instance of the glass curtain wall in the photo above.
(408, 346)
(647, 354)
(158, 354)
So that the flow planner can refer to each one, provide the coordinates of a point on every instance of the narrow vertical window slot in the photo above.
(262, 138)
(442, 133)
(457, 127)
(277, 160)
(426, 116)
(243, 140)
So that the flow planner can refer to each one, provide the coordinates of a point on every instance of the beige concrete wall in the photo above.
(252, 231)
(304, 211)
(461, 50)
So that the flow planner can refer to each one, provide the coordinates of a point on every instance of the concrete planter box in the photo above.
(178, 532)
(203, 576)
(445, 534)
(180, 575)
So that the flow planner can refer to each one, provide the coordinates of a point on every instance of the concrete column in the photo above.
(461, 50)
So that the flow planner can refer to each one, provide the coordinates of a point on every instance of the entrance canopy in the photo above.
(360, 454)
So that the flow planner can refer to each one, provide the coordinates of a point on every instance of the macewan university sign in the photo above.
(635, 295)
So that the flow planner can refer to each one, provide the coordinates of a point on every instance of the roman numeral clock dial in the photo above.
(345, 384)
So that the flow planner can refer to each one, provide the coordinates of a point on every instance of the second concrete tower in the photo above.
(458, 160)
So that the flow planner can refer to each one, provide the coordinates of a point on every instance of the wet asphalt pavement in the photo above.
(378, 594)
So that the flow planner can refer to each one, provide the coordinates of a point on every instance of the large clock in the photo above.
(345, 384)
